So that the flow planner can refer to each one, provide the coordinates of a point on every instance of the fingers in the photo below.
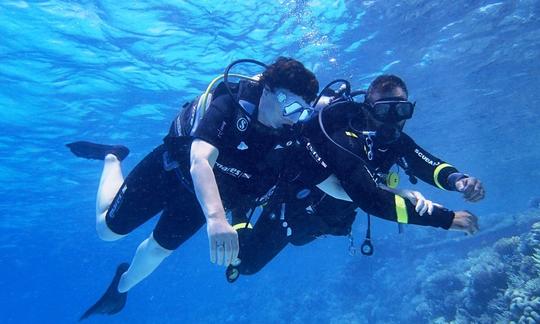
(463, 222)
(478, 186)
(476, 193)
(420, 206)
(221, 253)
(470, 223)
(213, 250)
(418, 195)
(228, 253)
(223, 242)
(217, 251)
(459, 186)
(224, 251)
(468, 189)
(430, 207)
(479, 192)
(221, 246)
(467, 186)
(231, 249)
(472, 228)
(235, 248)
(477, 196)
(469, 228)
(424, 208)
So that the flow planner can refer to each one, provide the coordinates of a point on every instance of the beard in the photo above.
(387, 134)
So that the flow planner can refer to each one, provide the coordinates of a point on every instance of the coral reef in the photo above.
(494, 283)
(498, 280)
(506, 247)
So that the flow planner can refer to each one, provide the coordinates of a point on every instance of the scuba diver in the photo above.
(219, 154)
(342, 161)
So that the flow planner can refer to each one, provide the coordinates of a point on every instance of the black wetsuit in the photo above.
(302, 212)
(245, 169)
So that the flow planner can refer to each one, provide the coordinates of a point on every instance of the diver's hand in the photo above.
(465, 221)
(421, 204)
(472, 189)
(223, 241)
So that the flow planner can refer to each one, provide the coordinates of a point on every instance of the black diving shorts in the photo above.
(150, 189)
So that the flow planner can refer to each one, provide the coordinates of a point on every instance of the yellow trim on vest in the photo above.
(351, 134)
(241, 226)
(205, 95)
(436, 174)
(401, 210)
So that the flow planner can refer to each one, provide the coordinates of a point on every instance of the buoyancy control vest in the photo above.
(180, 135)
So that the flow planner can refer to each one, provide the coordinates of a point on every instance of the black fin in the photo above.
(94, 151)
(112, 301)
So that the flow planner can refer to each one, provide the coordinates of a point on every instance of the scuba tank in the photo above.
(182, 128)
(192, 113)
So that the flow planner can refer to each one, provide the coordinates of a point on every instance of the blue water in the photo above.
(117, 72)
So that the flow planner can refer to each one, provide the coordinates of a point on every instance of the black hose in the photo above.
(347, 89)
(323, 129)
(229, 67)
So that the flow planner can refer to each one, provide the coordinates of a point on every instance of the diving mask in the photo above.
(293, 106)
(391, 110)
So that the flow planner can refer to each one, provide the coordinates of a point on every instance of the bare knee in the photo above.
(155, 249)
(105, 233)
(111, 158)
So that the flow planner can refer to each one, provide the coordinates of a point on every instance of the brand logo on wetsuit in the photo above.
(233, 171)
(242, 124)
(264, 199)
(425, 158)
(117, 201)
(315, 155)
(221, 129)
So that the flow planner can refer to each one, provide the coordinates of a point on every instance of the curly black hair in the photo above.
(290, 74)
(386, 83)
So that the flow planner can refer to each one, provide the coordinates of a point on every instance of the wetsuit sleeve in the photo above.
(381, 203)
(426, 166)
(216, 122)
(360, 186)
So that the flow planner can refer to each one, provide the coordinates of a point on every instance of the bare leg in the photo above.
(111, 181)
(148, 257)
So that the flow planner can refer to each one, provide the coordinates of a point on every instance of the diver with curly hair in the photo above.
(220, 154)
